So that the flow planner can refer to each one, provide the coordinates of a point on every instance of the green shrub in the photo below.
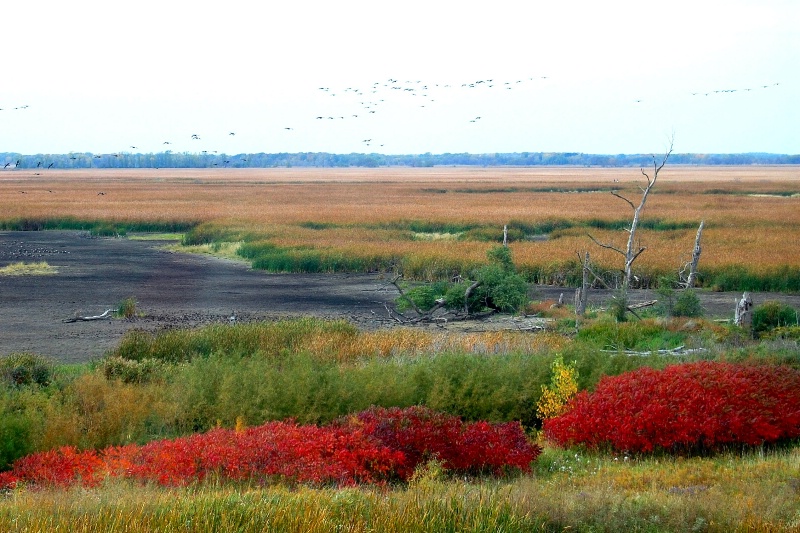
(132, 371)
(26, 369)
(500, 288)
(14, 437)
(771, 315)
(687, 304)
(618, 307)
(643, 335)
(784, 332)
(423, 296)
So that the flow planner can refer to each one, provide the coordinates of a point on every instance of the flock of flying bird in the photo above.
(363, 103)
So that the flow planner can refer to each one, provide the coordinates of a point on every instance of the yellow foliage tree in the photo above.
(563, 386)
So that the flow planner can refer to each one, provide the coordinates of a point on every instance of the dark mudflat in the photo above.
(186, 290)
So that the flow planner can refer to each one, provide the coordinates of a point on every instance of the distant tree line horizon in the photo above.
(168, 159)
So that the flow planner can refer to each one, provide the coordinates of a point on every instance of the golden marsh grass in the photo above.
(748, 210)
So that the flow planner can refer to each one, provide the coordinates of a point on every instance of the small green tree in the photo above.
(688, 304)
(496, 286)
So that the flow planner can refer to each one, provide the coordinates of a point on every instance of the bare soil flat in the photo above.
(172, 290)
(184, 290)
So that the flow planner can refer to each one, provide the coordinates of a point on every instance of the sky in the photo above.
(612, 77)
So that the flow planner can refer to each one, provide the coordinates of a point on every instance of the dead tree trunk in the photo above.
(692, 278)
(467, 294)
(744, 311)
(630, 253)
(582, 293)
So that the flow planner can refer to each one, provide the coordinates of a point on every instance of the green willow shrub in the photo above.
(26, 369)
(771, 315)
(500, 288)
(15, 429)
(687, 304)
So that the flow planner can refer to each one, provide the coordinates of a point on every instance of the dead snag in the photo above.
(691, 279)
(631, 251)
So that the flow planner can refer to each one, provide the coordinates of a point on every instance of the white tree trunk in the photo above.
(690, 281)
(582, 293)
(744, 311)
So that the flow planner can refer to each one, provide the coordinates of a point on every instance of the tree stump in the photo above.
(744, 311)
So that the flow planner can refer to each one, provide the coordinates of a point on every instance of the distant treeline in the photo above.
(10, 161)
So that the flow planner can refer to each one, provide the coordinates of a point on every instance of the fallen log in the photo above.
(105, 315)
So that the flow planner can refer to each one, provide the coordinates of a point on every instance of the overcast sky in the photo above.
(619, 76)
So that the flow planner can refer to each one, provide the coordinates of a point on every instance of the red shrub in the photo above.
(422, 434)
(685, 407)
(61, 467)
(373, 447)
(8, 480)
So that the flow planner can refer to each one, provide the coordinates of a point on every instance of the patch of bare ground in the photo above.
(188, 290)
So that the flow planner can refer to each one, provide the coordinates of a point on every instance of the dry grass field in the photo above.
(434, 220)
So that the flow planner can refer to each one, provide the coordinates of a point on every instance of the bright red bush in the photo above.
(375, 446)
(423, 434)
(701, 406)
(61, 467)
(8, 480)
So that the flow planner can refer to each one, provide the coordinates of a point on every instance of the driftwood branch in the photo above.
(104, 316)
(643, 304)
(680, 350)
(404, 296)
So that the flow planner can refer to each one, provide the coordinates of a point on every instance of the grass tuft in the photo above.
(40, 268)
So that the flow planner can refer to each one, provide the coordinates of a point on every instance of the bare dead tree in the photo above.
(632, 251)
(691, 266)
(582, 292)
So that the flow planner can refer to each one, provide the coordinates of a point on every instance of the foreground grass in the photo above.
(28, 269)
(569, 490)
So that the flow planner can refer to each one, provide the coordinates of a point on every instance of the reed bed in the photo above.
(363, 220)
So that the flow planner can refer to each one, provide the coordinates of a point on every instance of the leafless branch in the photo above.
(615, 193)
(604, 245)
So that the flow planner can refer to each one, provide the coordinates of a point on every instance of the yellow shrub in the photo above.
(563, 386)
